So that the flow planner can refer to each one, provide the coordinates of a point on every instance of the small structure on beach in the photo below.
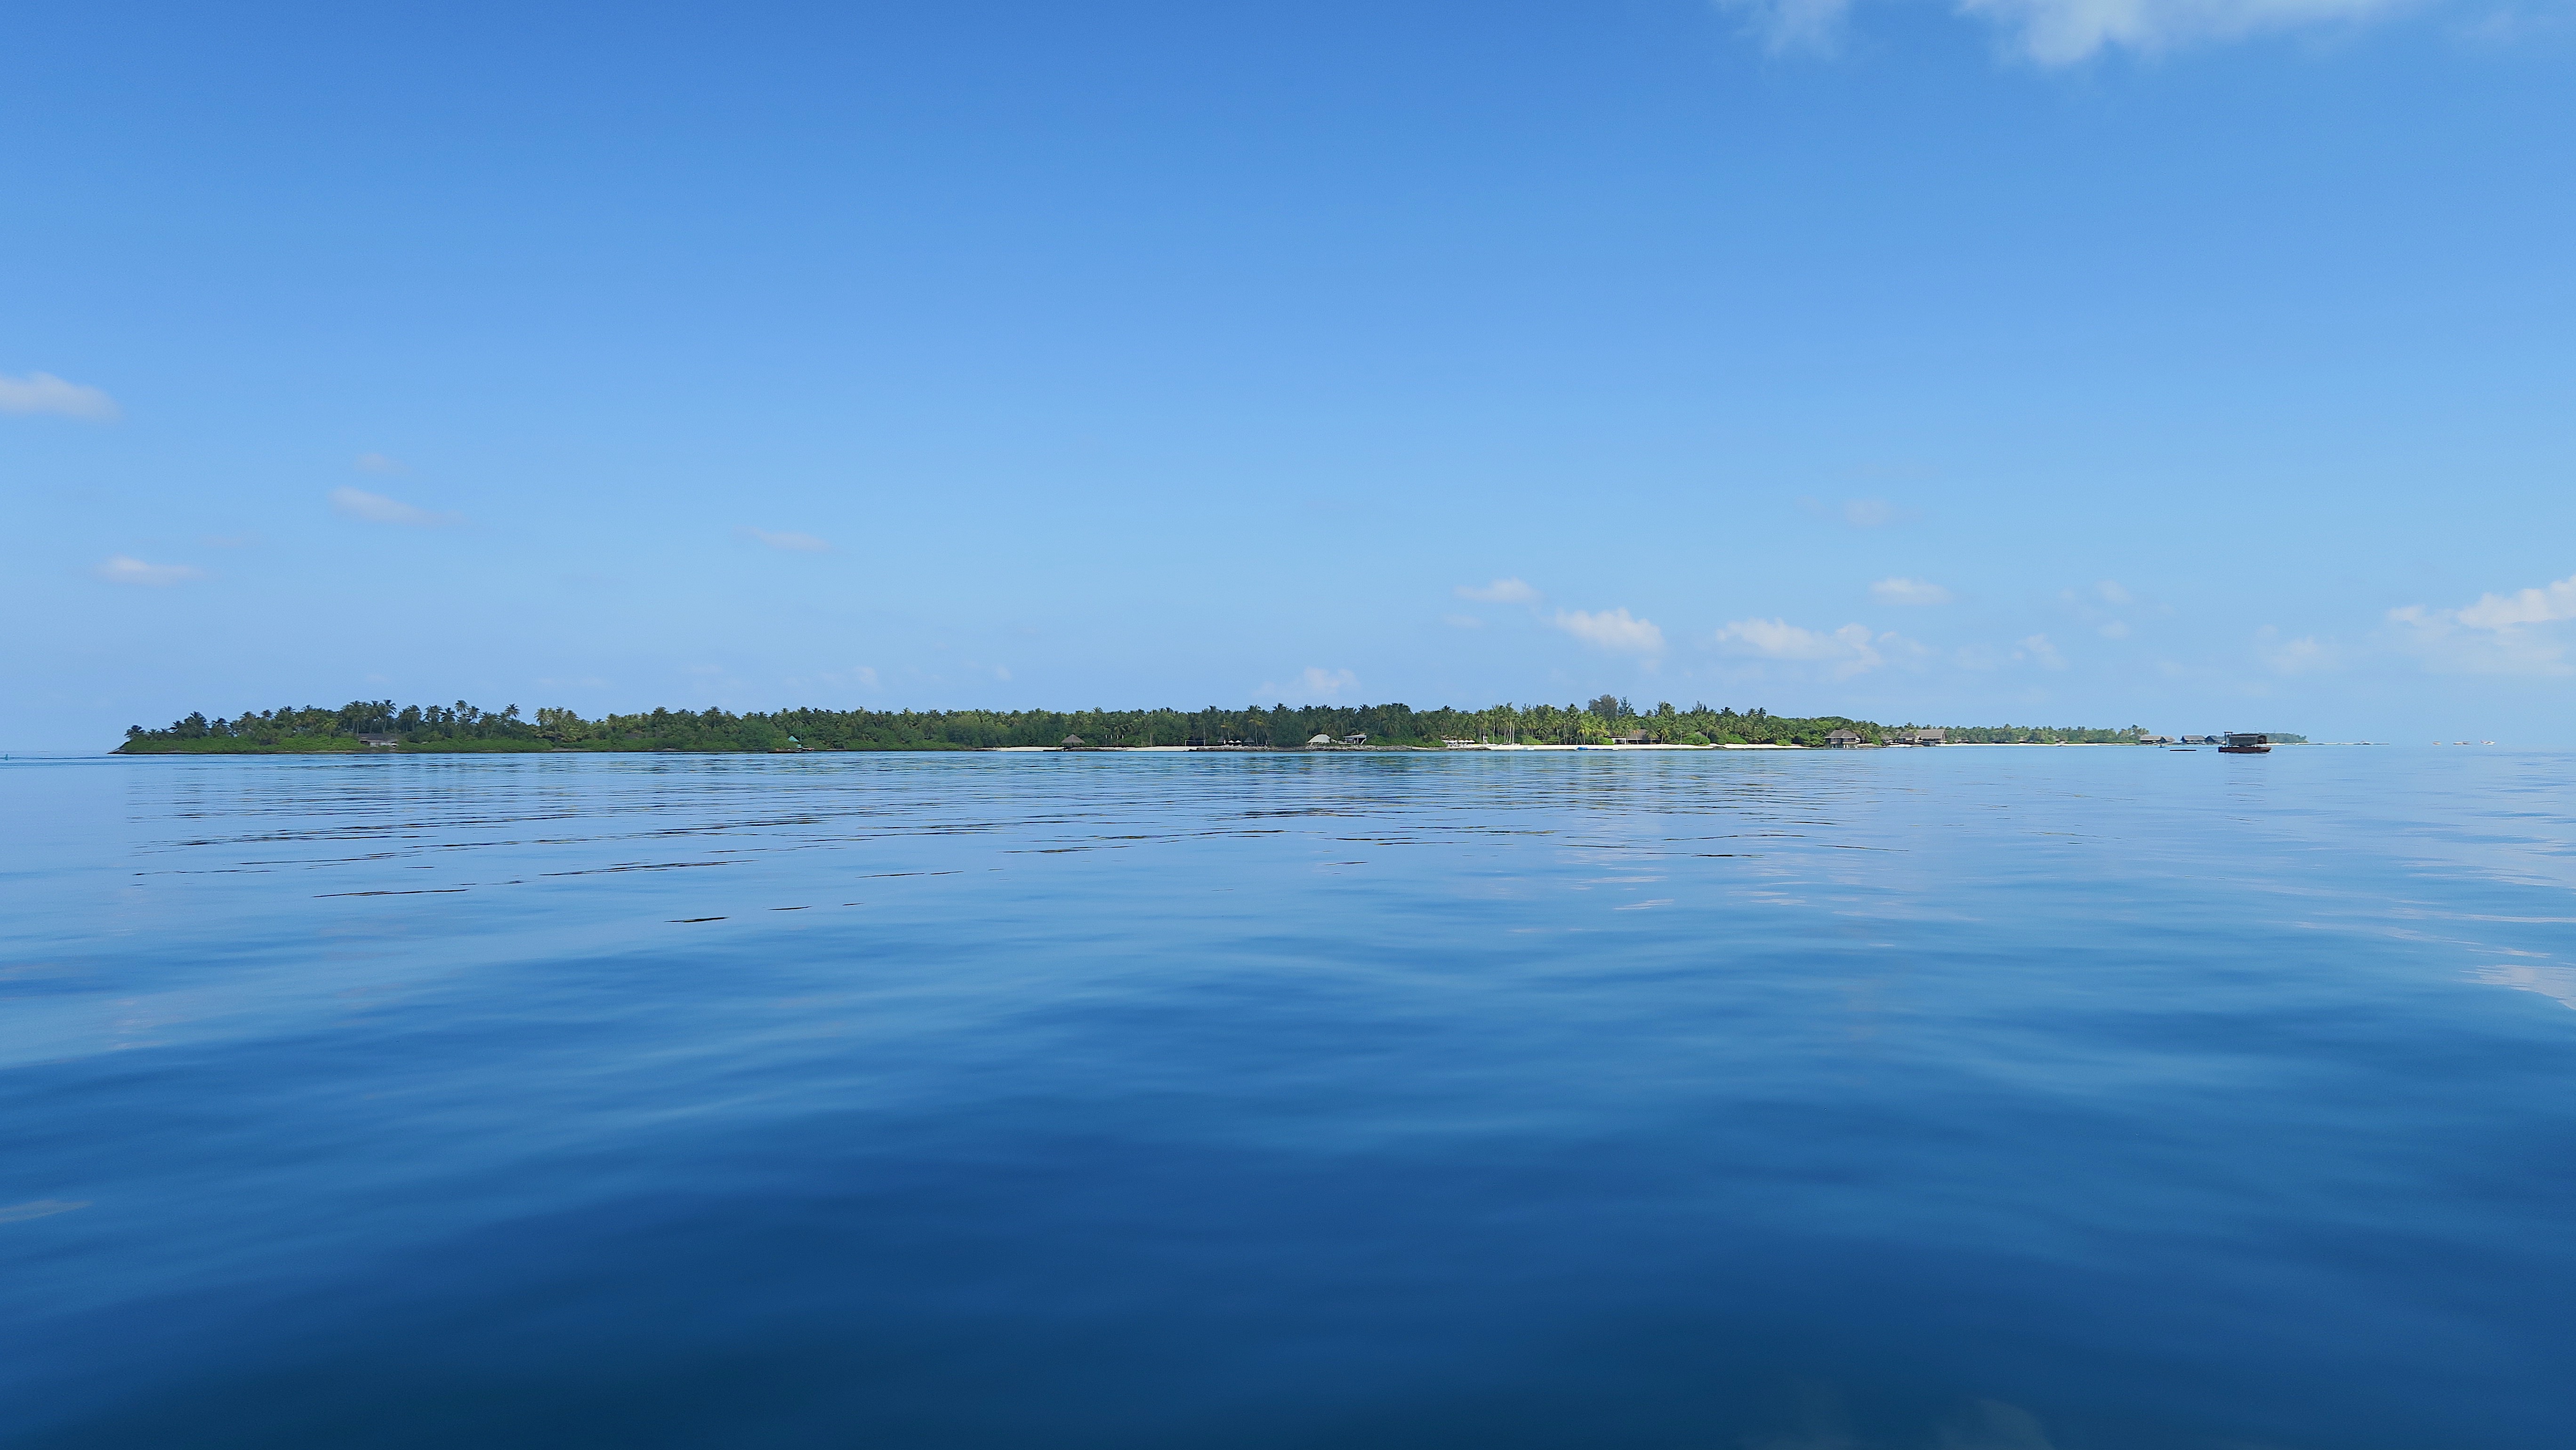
(1843, 739)
(1929, 735)
(1073, 742)
(380, 742)
(1319, 740)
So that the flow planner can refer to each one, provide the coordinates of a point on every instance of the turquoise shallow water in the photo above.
(1979, 1099)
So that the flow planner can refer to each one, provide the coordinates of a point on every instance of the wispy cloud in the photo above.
(2499, 634)
(378, 463)
(1501, 591)
(1793, 25)
(2301, 656)
(1850, 650)
(2547, 604)
(1780, 640)
(45, 393)
(2039, 650)
(1614, 630)
(792, 543)
(123, 570)
(375, 508)
(1462, 621)
(2069, 32)
(1901, 590)
(2102, 607)
(2065, 32)
(1315, 683)
(1860, 513)
(856, 677)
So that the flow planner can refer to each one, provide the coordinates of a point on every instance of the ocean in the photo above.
(1964, 1099)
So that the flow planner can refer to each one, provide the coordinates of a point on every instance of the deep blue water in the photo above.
(1965, 1099)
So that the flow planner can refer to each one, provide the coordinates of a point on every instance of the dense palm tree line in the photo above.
(462, 726)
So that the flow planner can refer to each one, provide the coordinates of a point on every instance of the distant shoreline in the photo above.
(1604, 723)
(194, 748)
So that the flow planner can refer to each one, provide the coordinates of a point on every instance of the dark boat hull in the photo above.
(2245, 750)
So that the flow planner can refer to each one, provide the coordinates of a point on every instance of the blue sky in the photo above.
(2199, 364)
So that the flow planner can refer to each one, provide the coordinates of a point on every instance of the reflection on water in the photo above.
(1995, 1098)
(2558, 983)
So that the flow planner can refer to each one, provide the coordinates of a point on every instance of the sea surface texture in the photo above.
(1962, 1099)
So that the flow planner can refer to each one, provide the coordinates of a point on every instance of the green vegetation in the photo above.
(462, 727)
(2038, 735)
(313, 730)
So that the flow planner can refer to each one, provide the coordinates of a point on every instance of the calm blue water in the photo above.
(1967, 1099)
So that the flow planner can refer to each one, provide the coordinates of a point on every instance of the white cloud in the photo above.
(1901, 590)
(1851, 649)
(1780, 640)
(2103, 606)
(2067, 32)
(2037, 649)
(1860, 513)
(1793, 25)
(45, 393)
(2545, 605)
(2500, 634)
(1328, 684)
(2064, 32)
(2304, 655)
(791, 542)
(857, 677)
(378, 463)
(122, 570)
(1501, 591)
(1317, 683)
(375, 508)
(1613, 630)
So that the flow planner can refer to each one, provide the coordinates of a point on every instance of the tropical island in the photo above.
(380, 725)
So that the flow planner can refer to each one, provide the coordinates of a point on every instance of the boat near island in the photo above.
(2243, 744)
